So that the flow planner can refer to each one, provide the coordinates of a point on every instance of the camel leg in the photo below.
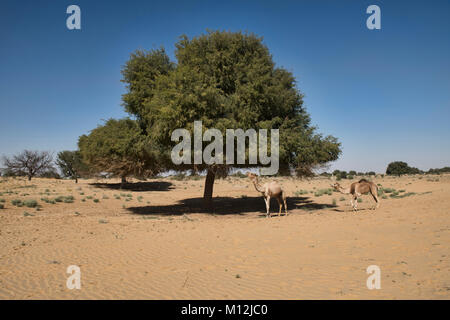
(280, 204)
(267, 199)
(285, 205)
(377, 205)
(355, 201)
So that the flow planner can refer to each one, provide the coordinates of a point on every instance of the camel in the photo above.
(357, 189)
(270, 190)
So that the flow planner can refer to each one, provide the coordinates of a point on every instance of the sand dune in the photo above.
(159, 245)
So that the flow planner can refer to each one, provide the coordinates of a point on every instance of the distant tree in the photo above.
(439, 171)
(71, 164)
(371, 173)
(29, 163)
(227, 80)
(118, 147)
(399, 167)
(352, 173)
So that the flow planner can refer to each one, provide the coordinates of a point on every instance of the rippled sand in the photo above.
(161, 246)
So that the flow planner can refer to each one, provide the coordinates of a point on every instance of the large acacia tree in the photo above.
(228, 81)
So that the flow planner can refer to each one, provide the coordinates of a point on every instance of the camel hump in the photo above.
(363, 180)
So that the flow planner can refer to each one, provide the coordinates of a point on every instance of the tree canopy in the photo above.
(119, 147)
(71, 165)
(227, 80)
(399, 167)
(30, 163)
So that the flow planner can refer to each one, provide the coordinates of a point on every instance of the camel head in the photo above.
(336, 186)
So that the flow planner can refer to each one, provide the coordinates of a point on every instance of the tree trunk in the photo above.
(123, 182)
(29, 177)
(208, 191)
(76, 179)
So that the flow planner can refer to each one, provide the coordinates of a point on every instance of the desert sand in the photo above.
(152, 241)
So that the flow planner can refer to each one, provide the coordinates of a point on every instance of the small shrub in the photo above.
(2, 206)
(334, 202)
(96, 200)
(342, 199)
(30, 203)
(17, 202)
(388, 190)
(360, 200)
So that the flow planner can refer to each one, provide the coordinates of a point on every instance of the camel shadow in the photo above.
(137, 186)
(227, 206)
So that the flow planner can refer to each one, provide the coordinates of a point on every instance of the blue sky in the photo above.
(384, 93)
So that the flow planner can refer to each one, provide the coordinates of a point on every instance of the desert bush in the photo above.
(387, 190)
(301, 192)
(321, 192)
(17, 202)
(30, 203)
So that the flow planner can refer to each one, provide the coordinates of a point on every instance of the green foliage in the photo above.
(399, 167)
(321, 192)
(17, 202)
(340, 174)
(439, 171)
(119, 147)
(30, 203)
(228, 80)
(301, 192)
(65, 199)
(71, 165)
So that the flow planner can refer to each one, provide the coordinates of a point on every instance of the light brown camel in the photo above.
(357, 189)
(270, 190)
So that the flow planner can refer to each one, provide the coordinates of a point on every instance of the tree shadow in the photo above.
(228, 205)
(137, 186)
